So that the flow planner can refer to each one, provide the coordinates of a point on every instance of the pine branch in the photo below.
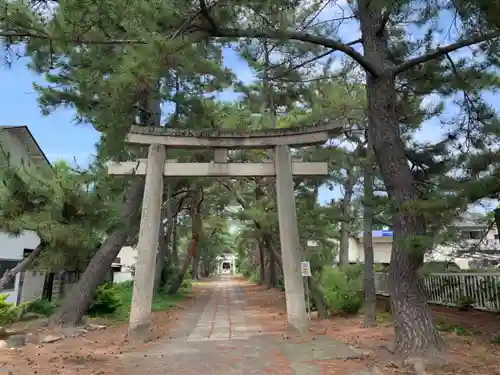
(442, 51)
(298, 36)
(22, 266)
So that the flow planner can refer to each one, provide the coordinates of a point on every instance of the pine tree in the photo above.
(68, 212)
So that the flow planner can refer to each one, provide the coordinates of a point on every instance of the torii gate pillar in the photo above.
(289, 238)
(142, 294)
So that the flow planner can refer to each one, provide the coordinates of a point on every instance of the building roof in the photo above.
(471, 220)
(23, 133)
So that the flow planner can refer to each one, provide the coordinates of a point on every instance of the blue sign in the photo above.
(381, 233)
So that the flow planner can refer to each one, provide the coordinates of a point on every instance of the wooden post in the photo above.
(142, 294)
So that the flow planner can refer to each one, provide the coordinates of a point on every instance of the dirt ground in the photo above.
(471, 350)
(92, 354)
(469, 339)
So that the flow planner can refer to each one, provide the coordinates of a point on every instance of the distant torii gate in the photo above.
(155, 167)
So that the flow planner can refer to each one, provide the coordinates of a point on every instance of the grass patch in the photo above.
(384, 318)
(444, 326)
(161, 301)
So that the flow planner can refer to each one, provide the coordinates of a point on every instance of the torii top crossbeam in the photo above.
(232, 139)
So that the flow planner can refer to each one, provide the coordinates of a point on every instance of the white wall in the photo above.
(381, 250)
(15, 152)
(128, 257)
(120, 277)
(12, 248)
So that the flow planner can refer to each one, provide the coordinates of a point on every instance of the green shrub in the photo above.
(246, 269)
(187, 285)
(380, 267)
(354, 274)
(41, 307)
(342, 289)
(106, 300)
(254, 276)
(9, 313)
(281, 284)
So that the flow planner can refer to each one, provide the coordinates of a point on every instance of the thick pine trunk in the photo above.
(416, 333)
(369, 306)
(77, 302)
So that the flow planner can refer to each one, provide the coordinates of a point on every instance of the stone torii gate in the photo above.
(155, 167)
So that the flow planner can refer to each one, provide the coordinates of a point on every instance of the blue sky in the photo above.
(58, 135)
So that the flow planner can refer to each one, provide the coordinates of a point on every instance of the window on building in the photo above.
(471, 234)
(6, 265)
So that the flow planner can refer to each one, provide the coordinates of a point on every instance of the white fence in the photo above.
(446, 288)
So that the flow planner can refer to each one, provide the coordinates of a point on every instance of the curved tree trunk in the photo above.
(196, 229)
(189, 257)
(22, 266)
(370, 307)
(78, 300)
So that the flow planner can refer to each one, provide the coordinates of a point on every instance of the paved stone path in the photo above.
(223, 317)
(215, 338)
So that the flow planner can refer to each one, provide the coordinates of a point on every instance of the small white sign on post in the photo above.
(305, 268)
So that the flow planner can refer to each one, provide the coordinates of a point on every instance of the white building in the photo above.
(226, 264)
(476, 245)
(124, 264)
(17, 148)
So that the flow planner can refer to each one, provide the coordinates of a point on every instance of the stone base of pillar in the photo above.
(139, 334)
